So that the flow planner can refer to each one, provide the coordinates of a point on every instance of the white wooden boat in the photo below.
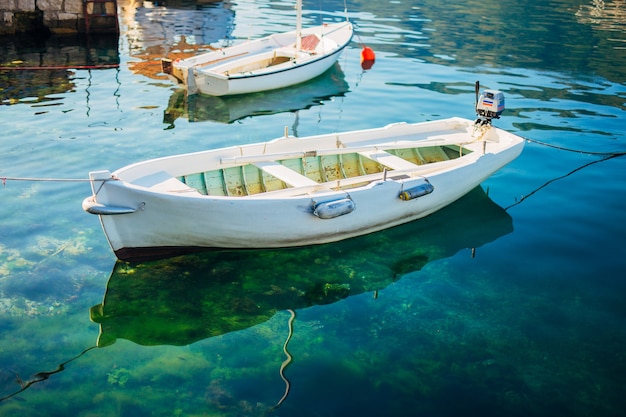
(295, 191)
(269, 63)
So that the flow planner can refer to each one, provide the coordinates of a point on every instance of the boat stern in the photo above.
(173, 72)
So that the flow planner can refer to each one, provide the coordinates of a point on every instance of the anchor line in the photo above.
(524, 197)
(42, 376)
(606, 156)
(562, 148)
(287, 361)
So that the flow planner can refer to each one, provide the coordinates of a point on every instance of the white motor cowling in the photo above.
(490, 105)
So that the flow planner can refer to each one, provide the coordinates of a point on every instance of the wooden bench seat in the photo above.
(389, 160)
(287, 175)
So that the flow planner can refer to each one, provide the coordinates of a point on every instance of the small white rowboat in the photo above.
(295, 192)
(269, 63)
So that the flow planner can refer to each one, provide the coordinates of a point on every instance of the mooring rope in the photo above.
(42, 376)
(562, 148)
(605, 156)
(524, 197)
(287, 361)
(5, 179)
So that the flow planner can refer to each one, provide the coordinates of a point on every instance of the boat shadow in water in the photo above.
(179, 301)
(229, 109)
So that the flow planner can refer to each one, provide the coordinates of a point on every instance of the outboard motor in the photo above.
(489, 105)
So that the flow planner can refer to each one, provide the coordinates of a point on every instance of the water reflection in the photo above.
(182, 300)
(150, 23)
(34, 67)
(604, 15)
(173, 29)
(581, 39)
(228, 109)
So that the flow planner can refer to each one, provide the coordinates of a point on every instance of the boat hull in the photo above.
(158, 222)
(213, 85)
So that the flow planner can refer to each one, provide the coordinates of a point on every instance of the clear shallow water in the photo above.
(397, 323)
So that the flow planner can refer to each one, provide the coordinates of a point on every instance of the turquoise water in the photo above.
(509, 302)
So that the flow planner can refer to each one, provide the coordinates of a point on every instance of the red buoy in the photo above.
(367, 58)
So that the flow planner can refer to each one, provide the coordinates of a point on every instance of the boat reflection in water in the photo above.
(179, 301)
(228, 109)
(34, 69)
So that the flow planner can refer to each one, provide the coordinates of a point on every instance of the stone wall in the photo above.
(58, 16)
